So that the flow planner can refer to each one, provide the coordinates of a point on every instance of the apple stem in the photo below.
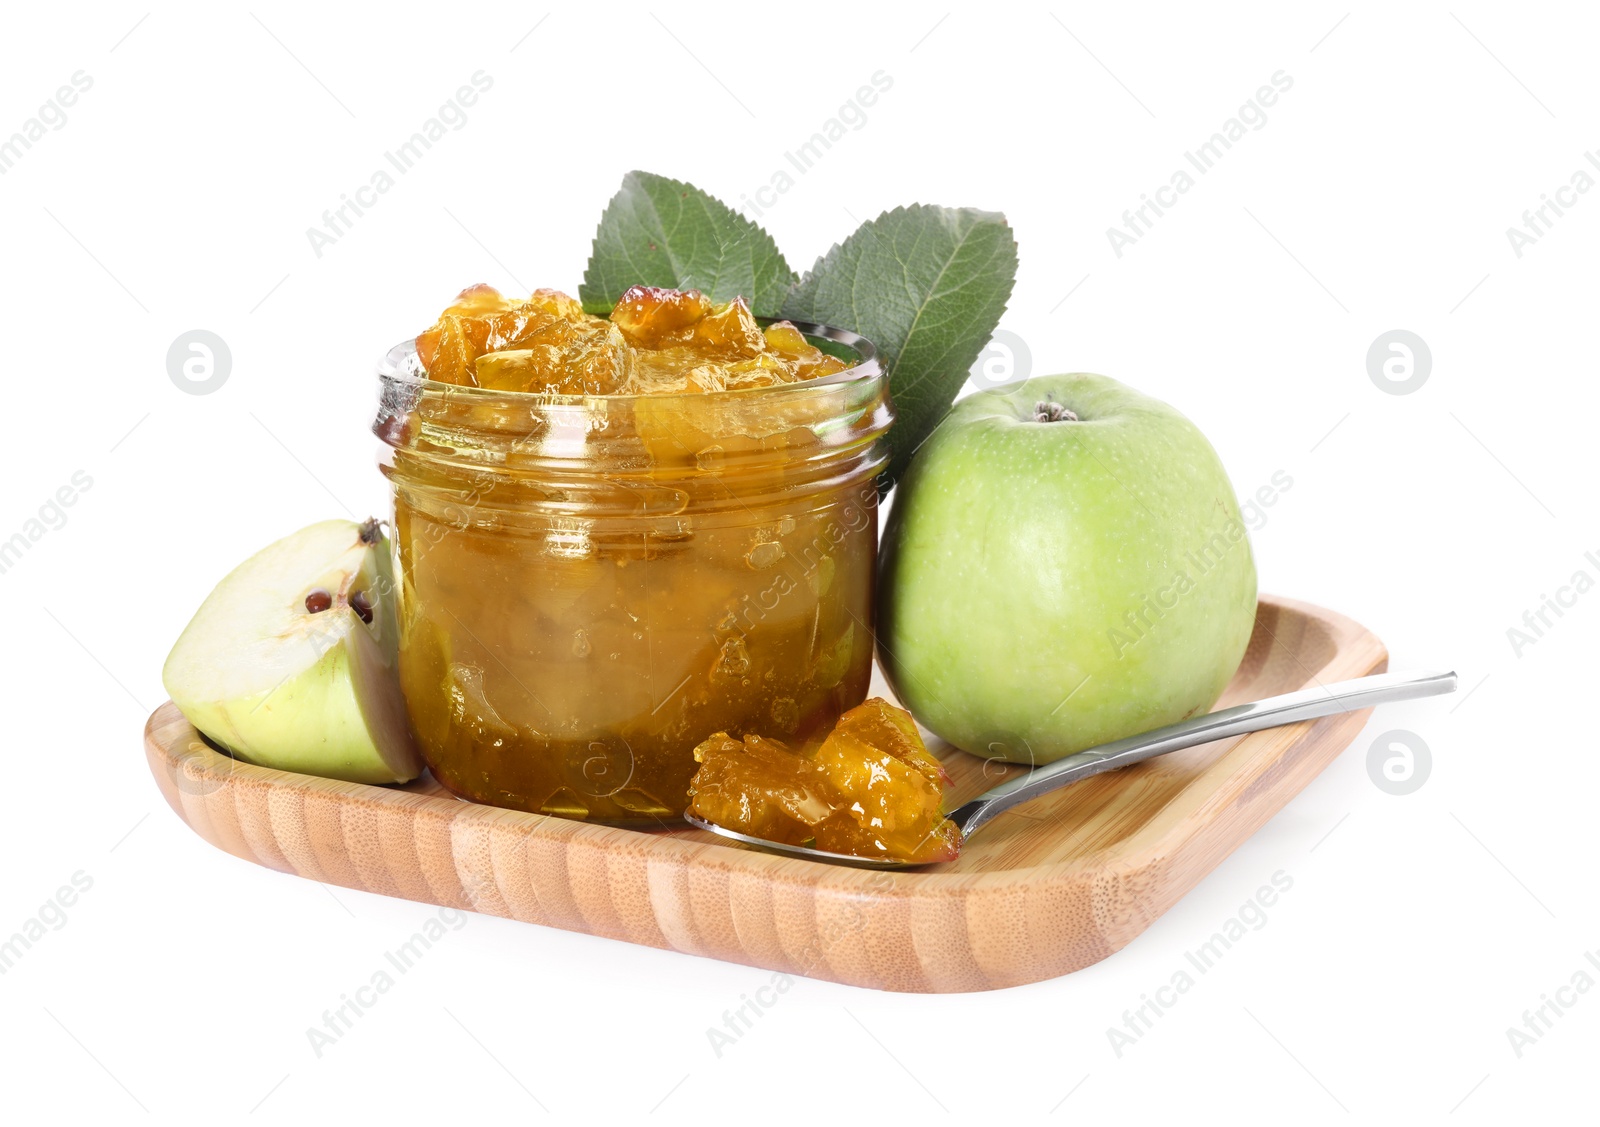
(1049, 411)
(371, 531)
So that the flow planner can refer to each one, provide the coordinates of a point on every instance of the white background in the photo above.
(1377, 196)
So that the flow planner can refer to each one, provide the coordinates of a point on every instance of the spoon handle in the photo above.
(1290, 708)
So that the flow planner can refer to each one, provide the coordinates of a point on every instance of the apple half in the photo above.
(290, 662)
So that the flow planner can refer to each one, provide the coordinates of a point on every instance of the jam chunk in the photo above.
(810, 362)
(558, 357)
(870, 789)
(652, 317)
(765, 370)
(729, 332)
(482, 320)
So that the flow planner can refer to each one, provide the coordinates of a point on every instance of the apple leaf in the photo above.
(927, 285)
(661, 232)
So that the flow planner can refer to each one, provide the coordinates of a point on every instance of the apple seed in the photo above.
(362, 606)
(318, 601)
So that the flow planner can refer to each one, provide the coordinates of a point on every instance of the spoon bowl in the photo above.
(799, 850)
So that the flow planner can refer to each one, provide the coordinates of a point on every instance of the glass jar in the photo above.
(589, 587)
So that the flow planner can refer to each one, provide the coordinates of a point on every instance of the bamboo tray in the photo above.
(1047, 889)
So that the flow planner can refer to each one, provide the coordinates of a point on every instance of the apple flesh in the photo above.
(1063, 565)
(290, 662)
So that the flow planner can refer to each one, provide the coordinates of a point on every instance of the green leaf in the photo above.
(927, 285)
(661, 232)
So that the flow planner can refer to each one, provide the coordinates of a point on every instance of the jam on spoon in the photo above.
(870, 789)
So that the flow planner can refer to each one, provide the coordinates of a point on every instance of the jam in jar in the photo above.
(616, 537)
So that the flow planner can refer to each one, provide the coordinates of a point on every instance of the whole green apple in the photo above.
(1064, 564)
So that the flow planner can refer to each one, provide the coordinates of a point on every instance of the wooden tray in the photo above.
(1046, 889)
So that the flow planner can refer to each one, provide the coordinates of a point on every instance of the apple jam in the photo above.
(870, 789)
(591, 583)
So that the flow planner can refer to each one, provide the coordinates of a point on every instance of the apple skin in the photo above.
(1045, 587)
(320, 722)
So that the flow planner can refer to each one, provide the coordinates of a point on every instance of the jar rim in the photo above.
(402, 365)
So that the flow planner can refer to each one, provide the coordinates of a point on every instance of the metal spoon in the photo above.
(1290, 708)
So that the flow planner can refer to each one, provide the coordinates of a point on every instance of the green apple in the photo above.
(290, 662)
(1064, 564)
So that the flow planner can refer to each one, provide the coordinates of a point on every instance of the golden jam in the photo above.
(657, 342)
